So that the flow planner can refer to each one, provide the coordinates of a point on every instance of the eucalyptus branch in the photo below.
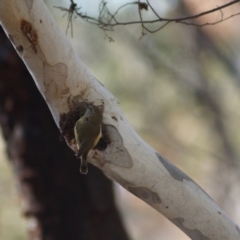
(66, 85)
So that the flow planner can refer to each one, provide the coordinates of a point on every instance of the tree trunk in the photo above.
(62, 203)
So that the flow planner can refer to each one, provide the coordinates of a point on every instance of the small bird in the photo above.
(88, 131)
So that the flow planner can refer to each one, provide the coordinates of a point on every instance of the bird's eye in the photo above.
(87, 119)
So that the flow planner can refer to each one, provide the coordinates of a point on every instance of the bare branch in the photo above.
(210, 23)
(107, 20)
(71, 11)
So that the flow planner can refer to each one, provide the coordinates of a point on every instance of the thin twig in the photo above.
(107, 20)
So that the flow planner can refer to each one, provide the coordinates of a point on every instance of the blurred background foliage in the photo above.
(12, 224)
(180, 90)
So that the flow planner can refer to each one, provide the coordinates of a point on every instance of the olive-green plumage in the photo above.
(88, 131)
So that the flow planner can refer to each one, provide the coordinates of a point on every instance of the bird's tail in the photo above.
(84, 166)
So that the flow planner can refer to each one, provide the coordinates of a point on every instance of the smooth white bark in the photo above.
(61, 76)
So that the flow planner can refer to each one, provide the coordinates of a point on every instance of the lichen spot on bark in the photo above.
(173, 171)
(145, 194)
(116, 153)
(192, 233)
(238, 229)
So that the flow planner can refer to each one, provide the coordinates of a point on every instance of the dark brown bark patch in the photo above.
(30, 33)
